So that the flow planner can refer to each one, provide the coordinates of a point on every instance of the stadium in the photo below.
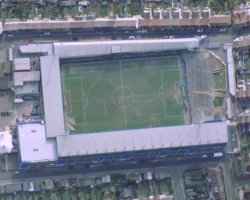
(115, 101)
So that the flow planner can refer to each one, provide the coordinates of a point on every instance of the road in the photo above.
(228, 179)
(104, 33)
(176, 169)
(177, 181)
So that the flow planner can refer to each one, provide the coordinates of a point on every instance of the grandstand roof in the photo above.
(34, 146)
(95, 48)
(52, 96)
(142, 139)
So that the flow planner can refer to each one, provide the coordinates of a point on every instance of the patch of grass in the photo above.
(165, 187)
(134, 8)
(72, 10)
(44, 12)
(198, 3)
(126, 94)
(218, 101)
(118, 9)
(103, 11)
(66, 195)
(219, 80)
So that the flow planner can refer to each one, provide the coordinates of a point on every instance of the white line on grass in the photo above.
(84, 119)
(170, 70)
(99, 76)
(123, 106)
(72, 78)
(143, 59)
(164, 106)
(70, 101)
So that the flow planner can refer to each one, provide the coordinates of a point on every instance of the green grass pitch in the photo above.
(125, 94)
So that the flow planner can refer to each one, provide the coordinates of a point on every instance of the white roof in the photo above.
(36, 48)
(22, 64)
(1, 27)
(231, 71)
(52, 96)
(95, 48)
(34, 146)
(29, 76)
(5, 142)
(142, 139)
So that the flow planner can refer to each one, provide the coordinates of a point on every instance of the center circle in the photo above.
(123, 96)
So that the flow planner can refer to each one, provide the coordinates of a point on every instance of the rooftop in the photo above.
(34, 145)
(22, 64)
(95, 48)
(36, 48)
(26, 76)
(52, 96)
(231, 71)
(69, 24)
(142, 139)
(241, 42)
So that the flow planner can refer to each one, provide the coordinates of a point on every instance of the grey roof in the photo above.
(27, 88)
(27, 76)
(52, 96)
(95, 48)
(142, 139)
(1, 27)
(34, 146)
(36, 48)
(69, 24)
(231, 71)
(22, 64)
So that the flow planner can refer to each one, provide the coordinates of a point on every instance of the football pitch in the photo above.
(123, 94)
